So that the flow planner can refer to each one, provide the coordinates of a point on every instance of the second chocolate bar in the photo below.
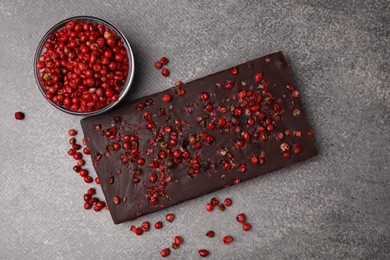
(188, 141)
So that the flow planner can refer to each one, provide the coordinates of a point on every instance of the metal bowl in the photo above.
(130, 56)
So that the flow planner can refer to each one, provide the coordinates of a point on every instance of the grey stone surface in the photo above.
(335, 206)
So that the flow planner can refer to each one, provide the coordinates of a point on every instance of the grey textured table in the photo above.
(334, 206)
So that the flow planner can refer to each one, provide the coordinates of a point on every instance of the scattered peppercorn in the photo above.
(158, 65)
(170, 217)
(210, 233)
(227, 240)
(203, 252)
(241, 218)
(19, 115)
(165, 72)
(164, 60)
(165, 252)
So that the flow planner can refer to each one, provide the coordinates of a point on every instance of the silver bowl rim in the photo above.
(130, 55)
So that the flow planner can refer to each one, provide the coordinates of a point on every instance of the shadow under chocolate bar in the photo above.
(208, 134)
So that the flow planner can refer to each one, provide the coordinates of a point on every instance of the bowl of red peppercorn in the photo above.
(84, 66)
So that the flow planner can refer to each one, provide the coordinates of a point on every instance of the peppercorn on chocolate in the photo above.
(200, 137)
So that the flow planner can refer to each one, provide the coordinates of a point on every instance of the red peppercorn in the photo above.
(132, 228)
(87, 205)
(101, 204)
(177, 153)
(138, 231)
(158, 225)
(227, 165)
(261, 160)
(204, 96)
(165, 252)
(158, 65)
(88, 179)
(211, 126)
(141, 161)
(254, 159)
(286, 154)
(214, 202)
(228, 86)
(210, 233)
(97, 208)
(221, 207)
(178, 83)
(80, 162)
(153, 201)
(258, 77)
(145, 226)
(234, 71)
(203, 252)
(87, 197)
(170, 217)
(164, 60)
(178, 240)
(97, 180)
(116, 146)
(236, 181)
(180, 91)
(241, 218)
(91, 191)
(76, 146)
(242, 167)
(116, 200)
(228, 202)
(150, 125)
(71, 152)
(86, 150)
(246, 136)
(209, 139)
(76, 168)
(209, 207)
(166, 98)
(154, 164)
(78, 156)
(83, 173)
(297, 149)
(72, 132)
(270, 128)
(165, 72)
(208, 107)
(237, 111)
(72, 141)
(94, 201)
(246, 226)
(119, 57)
(227, 240)
(222, 121)
(173, 142)
(147, 116)
(19, 115)
(295, 93)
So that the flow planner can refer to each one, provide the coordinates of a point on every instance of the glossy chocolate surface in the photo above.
(259, 127)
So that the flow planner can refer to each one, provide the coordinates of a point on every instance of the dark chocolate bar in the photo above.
(194, 139)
